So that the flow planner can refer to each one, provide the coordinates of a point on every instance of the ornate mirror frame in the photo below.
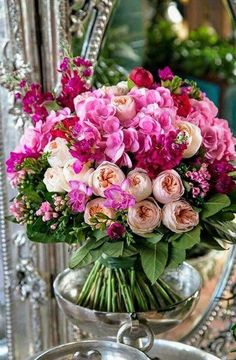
(32, 33)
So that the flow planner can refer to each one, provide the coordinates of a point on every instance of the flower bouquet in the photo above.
(135, 173)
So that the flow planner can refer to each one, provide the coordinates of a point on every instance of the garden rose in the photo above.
(144, 216)
(106, 175)
(71, 175)
(179, 216)
(55, 181)
(94, 207)
(141, 77)
(125, 109)
(194, 137)
(116, 90)
(138, 184)
(168, 187)
(59, 152)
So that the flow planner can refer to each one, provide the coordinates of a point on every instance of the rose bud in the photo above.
(95, 207)
(141, 77)
(59, 152)
(106, 175)
(125, 108)
(144, 216)
(115, 231)
(179, 216)
(71, 175)
(138, 184)
(55, 181)
(193, 136)
(168, 187)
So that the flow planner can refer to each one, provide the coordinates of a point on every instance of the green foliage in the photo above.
(203, 54)
(175, 256)
(154, 259)
(188, 239)
(216, 203)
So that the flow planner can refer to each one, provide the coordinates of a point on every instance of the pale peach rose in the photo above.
(138, 184)
(106, 175)
(71, 175)
(144, 216)
(125, 108)
(94, 207)
(55, 181)
(59, 152)
(179, 216)
(168, 187)
(116, 90)
(193, 135)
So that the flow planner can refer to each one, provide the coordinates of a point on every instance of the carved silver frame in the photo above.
(29, 269)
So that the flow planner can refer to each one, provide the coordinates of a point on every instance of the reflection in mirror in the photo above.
(197, 41)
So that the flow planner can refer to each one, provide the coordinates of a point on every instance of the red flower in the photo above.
(141, 77)
(63, 128)
(182, 103)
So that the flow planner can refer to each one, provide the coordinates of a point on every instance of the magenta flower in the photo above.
(78, 196)
(165, 74)
(118, 199)
(115, 231)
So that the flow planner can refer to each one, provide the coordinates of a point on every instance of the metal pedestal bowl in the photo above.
(185, 280)
(92, 350)
(162, 350)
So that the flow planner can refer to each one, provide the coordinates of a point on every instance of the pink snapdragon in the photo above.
(118, 199)
(47, 212)
(78, 196)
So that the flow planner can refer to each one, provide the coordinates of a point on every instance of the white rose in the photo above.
(138, 184)
(194, 137)
(116, 90)
(106, 175)
(144, 216)
(55, 181)
(71, 175)
(59, 152)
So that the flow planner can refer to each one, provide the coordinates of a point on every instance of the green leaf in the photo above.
(231, 208)
(113, 249)
(154, 259)
(176, 256)
(223, 216)
(129, 251)
(98, 234)
(188, 239)
(91, 257)
(153, 238)
(80, 254)
(214, 205)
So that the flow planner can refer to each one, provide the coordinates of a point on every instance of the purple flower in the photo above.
(165, 74)
(115, 230)
(78, 195)
(64, 64)
(118, 199)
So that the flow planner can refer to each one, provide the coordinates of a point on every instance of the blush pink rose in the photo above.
(179, 216)
(106, 175)
(95, 207)
(168, 187)
(138, 184)
(144, 216)
(125, 109)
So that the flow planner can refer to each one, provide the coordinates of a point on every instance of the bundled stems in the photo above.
(124, 290)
